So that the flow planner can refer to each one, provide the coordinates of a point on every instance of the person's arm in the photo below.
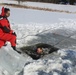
(5, 28)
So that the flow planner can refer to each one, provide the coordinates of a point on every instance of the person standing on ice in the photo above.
(6, 34)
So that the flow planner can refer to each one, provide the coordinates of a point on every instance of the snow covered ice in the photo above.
(61, 63)
(34, 26)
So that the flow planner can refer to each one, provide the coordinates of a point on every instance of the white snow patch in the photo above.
(59, 65)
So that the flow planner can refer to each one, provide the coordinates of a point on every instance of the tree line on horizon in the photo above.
(49, 1)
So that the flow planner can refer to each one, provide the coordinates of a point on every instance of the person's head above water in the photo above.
(5, 12)
(39, 50)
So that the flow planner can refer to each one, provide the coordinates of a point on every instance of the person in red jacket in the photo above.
(6, 33)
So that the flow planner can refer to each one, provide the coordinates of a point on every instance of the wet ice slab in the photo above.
(10, 61)
(57, 40)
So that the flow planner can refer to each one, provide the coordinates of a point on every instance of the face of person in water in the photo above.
(39, 50)
(7, 14)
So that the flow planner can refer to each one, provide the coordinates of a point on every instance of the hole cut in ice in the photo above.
(32, 50)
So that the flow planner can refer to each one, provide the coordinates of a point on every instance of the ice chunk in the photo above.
(10, 61)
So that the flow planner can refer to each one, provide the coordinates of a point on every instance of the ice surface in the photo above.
(10, 61)
(34, 26)
(61, 63)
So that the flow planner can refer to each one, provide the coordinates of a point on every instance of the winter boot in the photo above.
(14, 48)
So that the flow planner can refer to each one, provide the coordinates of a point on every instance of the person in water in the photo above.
(39, 50)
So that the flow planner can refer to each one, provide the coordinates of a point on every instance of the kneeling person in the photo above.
(6, 34)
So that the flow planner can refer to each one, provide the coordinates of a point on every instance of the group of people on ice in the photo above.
(7, 34)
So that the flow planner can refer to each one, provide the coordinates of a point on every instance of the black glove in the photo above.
(14, 34)
(0, 16)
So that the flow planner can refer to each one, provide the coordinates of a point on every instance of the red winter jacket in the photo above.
(4, 25)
